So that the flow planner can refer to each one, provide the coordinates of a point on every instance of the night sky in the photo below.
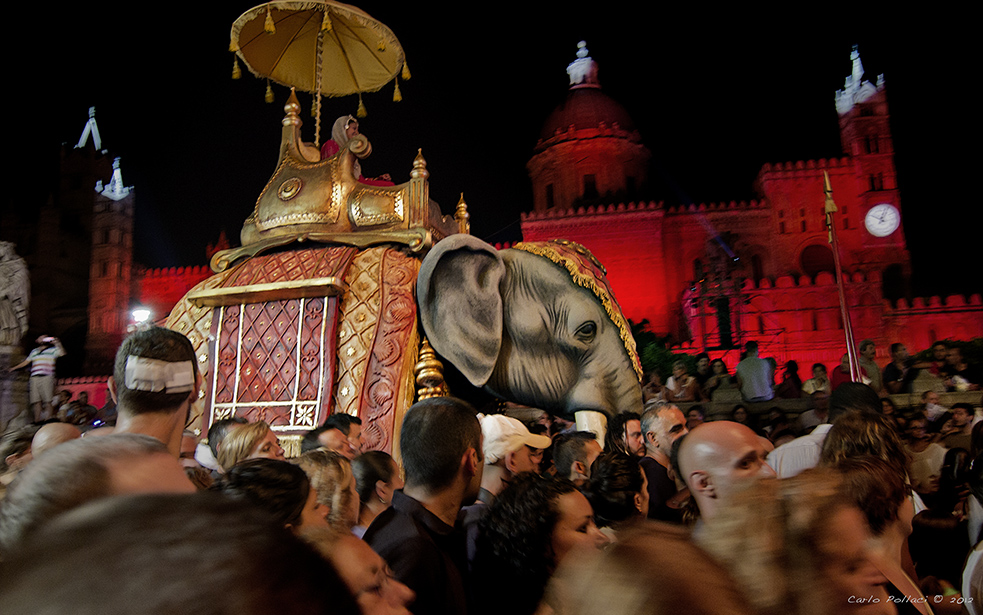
(713, 100)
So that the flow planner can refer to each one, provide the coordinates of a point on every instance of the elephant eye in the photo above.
(587, 331)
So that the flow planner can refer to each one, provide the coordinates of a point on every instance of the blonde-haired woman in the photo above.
(332, 478)
(249, 441)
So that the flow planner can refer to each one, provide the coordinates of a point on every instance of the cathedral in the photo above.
(712, 276)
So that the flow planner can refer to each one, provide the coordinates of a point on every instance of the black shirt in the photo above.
(424, 552)
(661, 488)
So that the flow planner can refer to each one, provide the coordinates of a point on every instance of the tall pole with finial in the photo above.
(851, 348)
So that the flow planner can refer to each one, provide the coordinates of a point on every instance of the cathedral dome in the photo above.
(589, 148)
(586, 107)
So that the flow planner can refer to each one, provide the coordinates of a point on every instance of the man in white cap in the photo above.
(509, 449)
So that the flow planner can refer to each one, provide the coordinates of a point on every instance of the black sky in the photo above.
(714, 95)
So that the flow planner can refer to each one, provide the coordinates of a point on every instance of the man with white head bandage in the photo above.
(154, 382)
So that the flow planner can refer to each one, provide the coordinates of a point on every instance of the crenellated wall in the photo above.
(937, 318)
(161, 289)
(799, 318)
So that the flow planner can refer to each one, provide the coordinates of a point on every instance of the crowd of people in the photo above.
(755, 377)
(513, 511)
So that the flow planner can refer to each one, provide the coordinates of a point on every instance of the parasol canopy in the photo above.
(318, 46)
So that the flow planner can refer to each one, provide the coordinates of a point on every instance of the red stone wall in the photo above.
(161, 289)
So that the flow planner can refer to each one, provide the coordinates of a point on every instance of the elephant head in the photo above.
(535, 324)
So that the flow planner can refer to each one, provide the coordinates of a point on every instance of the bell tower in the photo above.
(865, 134)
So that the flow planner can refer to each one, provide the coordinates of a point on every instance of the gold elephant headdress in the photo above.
(586, 271)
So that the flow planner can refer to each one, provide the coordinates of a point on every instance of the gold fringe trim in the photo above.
(589, 282)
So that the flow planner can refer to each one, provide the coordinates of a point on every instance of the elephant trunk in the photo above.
(612, 391)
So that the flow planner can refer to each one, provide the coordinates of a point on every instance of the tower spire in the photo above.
(855, 89)
(115, 190)
(91, 129)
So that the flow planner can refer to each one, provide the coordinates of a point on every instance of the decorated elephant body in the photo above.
(536, 324)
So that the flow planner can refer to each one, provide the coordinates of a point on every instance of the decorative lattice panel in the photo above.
(276, 360)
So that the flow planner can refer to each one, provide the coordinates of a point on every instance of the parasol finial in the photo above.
(292, 109)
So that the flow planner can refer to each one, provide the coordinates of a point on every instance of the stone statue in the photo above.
(15, 293)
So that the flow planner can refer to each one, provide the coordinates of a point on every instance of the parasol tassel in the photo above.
(381, 45)
(268, 25)
(361, 108)
(406, 72)
(234, 45)
(236, 71)
(397, 96)
(269, 92)
(326, 22)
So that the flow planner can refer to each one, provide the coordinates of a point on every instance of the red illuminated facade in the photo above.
(715, 275)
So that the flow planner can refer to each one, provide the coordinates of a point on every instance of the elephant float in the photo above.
(340, 288)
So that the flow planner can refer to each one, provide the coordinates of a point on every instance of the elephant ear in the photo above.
(461, 304)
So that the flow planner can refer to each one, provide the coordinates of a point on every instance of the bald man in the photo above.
(51, 435)
(715, 458)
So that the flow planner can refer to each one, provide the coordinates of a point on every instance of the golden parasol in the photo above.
(318, 46)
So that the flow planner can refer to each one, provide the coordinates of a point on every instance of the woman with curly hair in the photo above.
(248, 441)
(528, 530)
(332, 479)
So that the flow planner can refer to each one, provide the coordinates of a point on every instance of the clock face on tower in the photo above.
(882, 220)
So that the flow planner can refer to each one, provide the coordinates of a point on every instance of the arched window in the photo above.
(816, 259)
(757, 267)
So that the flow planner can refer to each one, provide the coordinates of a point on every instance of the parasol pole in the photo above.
(325, 24)
(851, 348)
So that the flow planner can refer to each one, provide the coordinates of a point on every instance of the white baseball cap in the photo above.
(504, 435)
